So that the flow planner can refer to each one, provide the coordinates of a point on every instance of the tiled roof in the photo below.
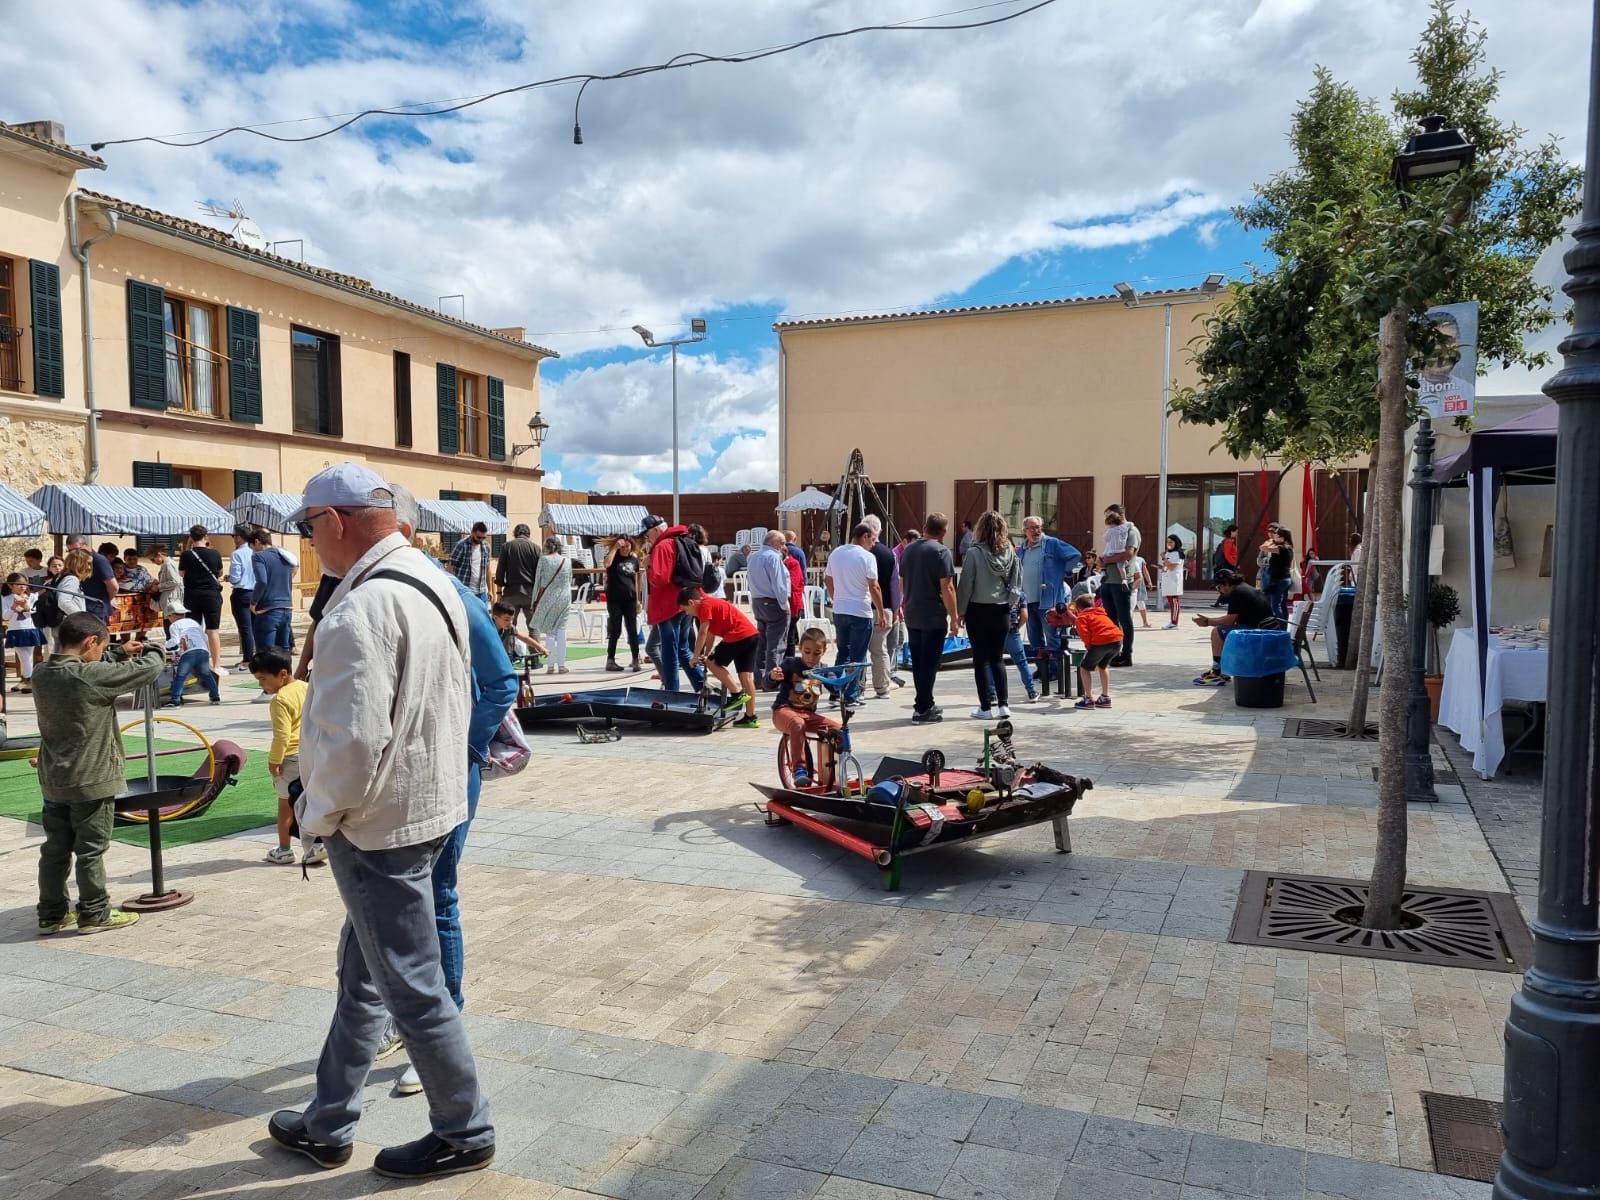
(338, 279)
(80, 158)
(912, 314)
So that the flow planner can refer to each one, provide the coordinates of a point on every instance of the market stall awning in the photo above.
(153, 512)
(809, 500)
(19, 518)
(457, 516)
(593, 520)
(270, 510)
(1524, 450)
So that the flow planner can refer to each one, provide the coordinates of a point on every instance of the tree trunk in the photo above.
(1389, 857)
(1366, 613)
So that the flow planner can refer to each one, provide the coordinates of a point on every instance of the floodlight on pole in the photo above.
(1125, 290)
(697, 333)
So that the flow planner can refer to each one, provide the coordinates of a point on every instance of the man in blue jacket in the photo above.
(1046, 563)
(494, 690)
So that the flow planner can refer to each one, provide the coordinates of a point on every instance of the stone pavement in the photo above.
(670, 999)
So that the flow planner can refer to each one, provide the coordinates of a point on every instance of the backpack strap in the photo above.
(412, 581)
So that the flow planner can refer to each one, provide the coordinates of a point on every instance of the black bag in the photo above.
(47, 608)
(710, 584)
(690, 562)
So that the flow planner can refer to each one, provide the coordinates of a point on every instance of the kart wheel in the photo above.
(787, 762)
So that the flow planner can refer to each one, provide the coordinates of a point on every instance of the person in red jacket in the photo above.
(797, 599)
(719, 619)
(1102, 642)
(676, 627)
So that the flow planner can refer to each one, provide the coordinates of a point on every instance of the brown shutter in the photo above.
(1140, 498)
(908, 505)
(972, 501)
(1340, 504)
(1253, 515)
(1075, 515)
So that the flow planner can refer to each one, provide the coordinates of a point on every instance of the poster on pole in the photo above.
(1447, 386)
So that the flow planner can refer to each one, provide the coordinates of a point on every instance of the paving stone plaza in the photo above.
(670, 1000)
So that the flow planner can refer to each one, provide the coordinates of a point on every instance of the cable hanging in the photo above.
(677, 62)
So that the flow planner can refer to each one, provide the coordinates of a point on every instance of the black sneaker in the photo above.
(1122, 662)
(288, 1129)
(928, 718)
(428, 1158)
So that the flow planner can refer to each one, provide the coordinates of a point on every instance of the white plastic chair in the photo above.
(814, 606)
(741, 588)
(591, 620)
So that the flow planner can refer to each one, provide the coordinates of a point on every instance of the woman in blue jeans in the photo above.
(1280, 565)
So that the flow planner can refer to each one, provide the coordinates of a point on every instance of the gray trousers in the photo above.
(878, 651)
(389, 965)
(772, 628)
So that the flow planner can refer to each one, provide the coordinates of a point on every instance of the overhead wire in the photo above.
(677, 62)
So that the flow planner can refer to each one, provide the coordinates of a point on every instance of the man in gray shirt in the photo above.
(769, 600)
(928, 595)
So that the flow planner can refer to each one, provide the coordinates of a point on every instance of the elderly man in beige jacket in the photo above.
(382, 742)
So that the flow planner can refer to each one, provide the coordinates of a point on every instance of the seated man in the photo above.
(1247, 609)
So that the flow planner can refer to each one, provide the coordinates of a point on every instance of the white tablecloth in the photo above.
(1513, 674)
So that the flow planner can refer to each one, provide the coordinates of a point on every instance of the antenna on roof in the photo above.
(244, 229)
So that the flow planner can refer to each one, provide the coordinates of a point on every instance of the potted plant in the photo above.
(1444, 606)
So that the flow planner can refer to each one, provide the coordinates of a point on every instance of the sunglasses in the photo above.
(306, 527)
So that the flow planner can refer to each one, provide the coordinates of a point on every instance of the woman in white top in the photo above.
(552, 600)
(1172, 568)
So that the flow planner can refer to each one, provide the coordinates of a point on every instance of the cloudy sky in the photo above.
(1092, 141)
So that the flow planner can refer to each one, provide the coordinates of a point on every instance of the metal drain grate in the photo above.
(1451, 927)
(1318, 727)
(1466, 1136)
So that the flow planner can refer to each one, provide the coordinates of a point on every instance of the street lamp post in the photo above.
(1435, 153)
(697, 333)
(1552, 1096)
(1130, 297)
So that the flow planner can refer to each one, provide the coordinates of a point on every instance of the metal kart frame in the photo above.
(699, 712)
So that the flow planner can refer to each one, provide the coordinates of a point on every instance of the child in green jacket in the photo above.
(81, 766)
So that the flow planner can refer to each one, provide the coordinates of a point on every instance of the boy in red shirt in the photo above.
(1102, 642)
(719, 619)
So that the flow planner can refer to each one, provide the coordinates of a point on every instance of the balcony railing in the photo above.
(10, 356)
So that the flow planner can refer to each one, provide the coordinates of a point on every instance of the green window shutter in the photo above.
(246, 481)
(49, 354)
(244, 367)
(147, 347)
(497, 542)
(447, 541)
(497, 419)
(151, 475)
(449, 414)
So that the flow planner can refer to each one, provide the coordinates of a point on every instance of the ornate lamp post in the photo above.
(1553, 1034)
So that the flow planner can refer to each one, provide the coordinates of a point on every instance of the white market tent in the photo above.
(457, 516)
(150, 512)
(270, 510)
(593, 520)
(19, 517)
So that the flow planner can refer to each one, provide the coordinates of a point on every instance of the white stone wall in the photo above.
(35, 451)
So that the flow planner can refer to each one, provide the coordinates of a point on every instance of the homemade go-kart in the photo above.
(698, 712)
(908, 806)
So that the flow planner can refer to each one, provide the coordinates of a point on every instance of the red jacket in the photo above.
(663, 603)
(797, 585)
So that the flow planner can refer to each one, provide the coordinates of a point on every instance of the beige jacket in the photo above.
(384, 729)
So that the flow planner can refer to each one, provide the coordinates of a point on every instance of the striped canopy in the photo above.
(18, 518)
(457, 516)
(270, 510)
(154, 512)
(593, 520)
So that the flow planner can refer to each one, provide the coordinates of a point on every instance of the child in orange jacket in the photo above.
(1102, 642)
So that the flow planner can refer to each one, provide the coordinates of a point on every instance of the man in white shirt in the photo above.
(382, 742)
(852, 583)
(188, 637)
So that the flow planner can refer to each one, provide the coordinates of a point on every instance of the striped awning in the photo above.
(593, 520)
(154, 512)
(457, 516)
(270, 510)
(18, 518)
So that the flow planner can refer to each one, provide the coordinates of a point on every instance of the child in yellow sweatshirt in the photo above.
(274, 671)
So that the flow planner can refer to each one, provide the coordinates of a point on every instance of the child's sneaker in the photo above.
(736, 703)
(1103, 702)
(46, 928)
(750, 722)
(1212, 678)
(115, 919)
(801, 777)
(281, 856)
(316, 853)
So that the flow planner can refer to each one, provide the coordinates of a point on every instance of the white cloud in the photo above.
(552, 479)
(749, 461)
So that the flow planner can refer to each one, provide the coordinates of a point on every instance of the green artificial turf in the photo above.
(249, 803)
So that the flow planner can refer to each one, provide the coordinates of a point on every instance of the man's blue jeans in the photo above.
(194, 664)
(272, 628)
(389, 964)
(1020, 658)
(854, 636)
(677, 648)
(1277, 594)
(1043, 639)
(446, 901)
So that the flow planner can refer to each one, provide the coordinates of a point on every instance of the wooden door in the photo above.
(1341, 504)
(1256, 503)
(1076, 519)
(908, 505)
(1140, 498)
(972, 501)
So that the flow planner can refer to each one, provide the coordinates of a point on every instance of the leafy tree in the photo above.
(1289, 365)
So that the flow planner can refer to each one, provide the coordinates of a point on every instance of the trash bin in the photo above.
(1344, 608)
(1257, 660)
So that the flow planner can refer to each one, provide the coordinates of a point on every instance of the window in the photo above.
(10, 329)
(473, 406)
(315, 382)
(402, 398)
(194, 378)
(1019, 498)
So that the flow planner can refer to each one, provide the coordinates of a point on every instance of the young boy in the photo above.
(1102, 642)
(719, 619)
(188, 637)
(81, 766)
(274, 671)
(794, 711)
(505, 618)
